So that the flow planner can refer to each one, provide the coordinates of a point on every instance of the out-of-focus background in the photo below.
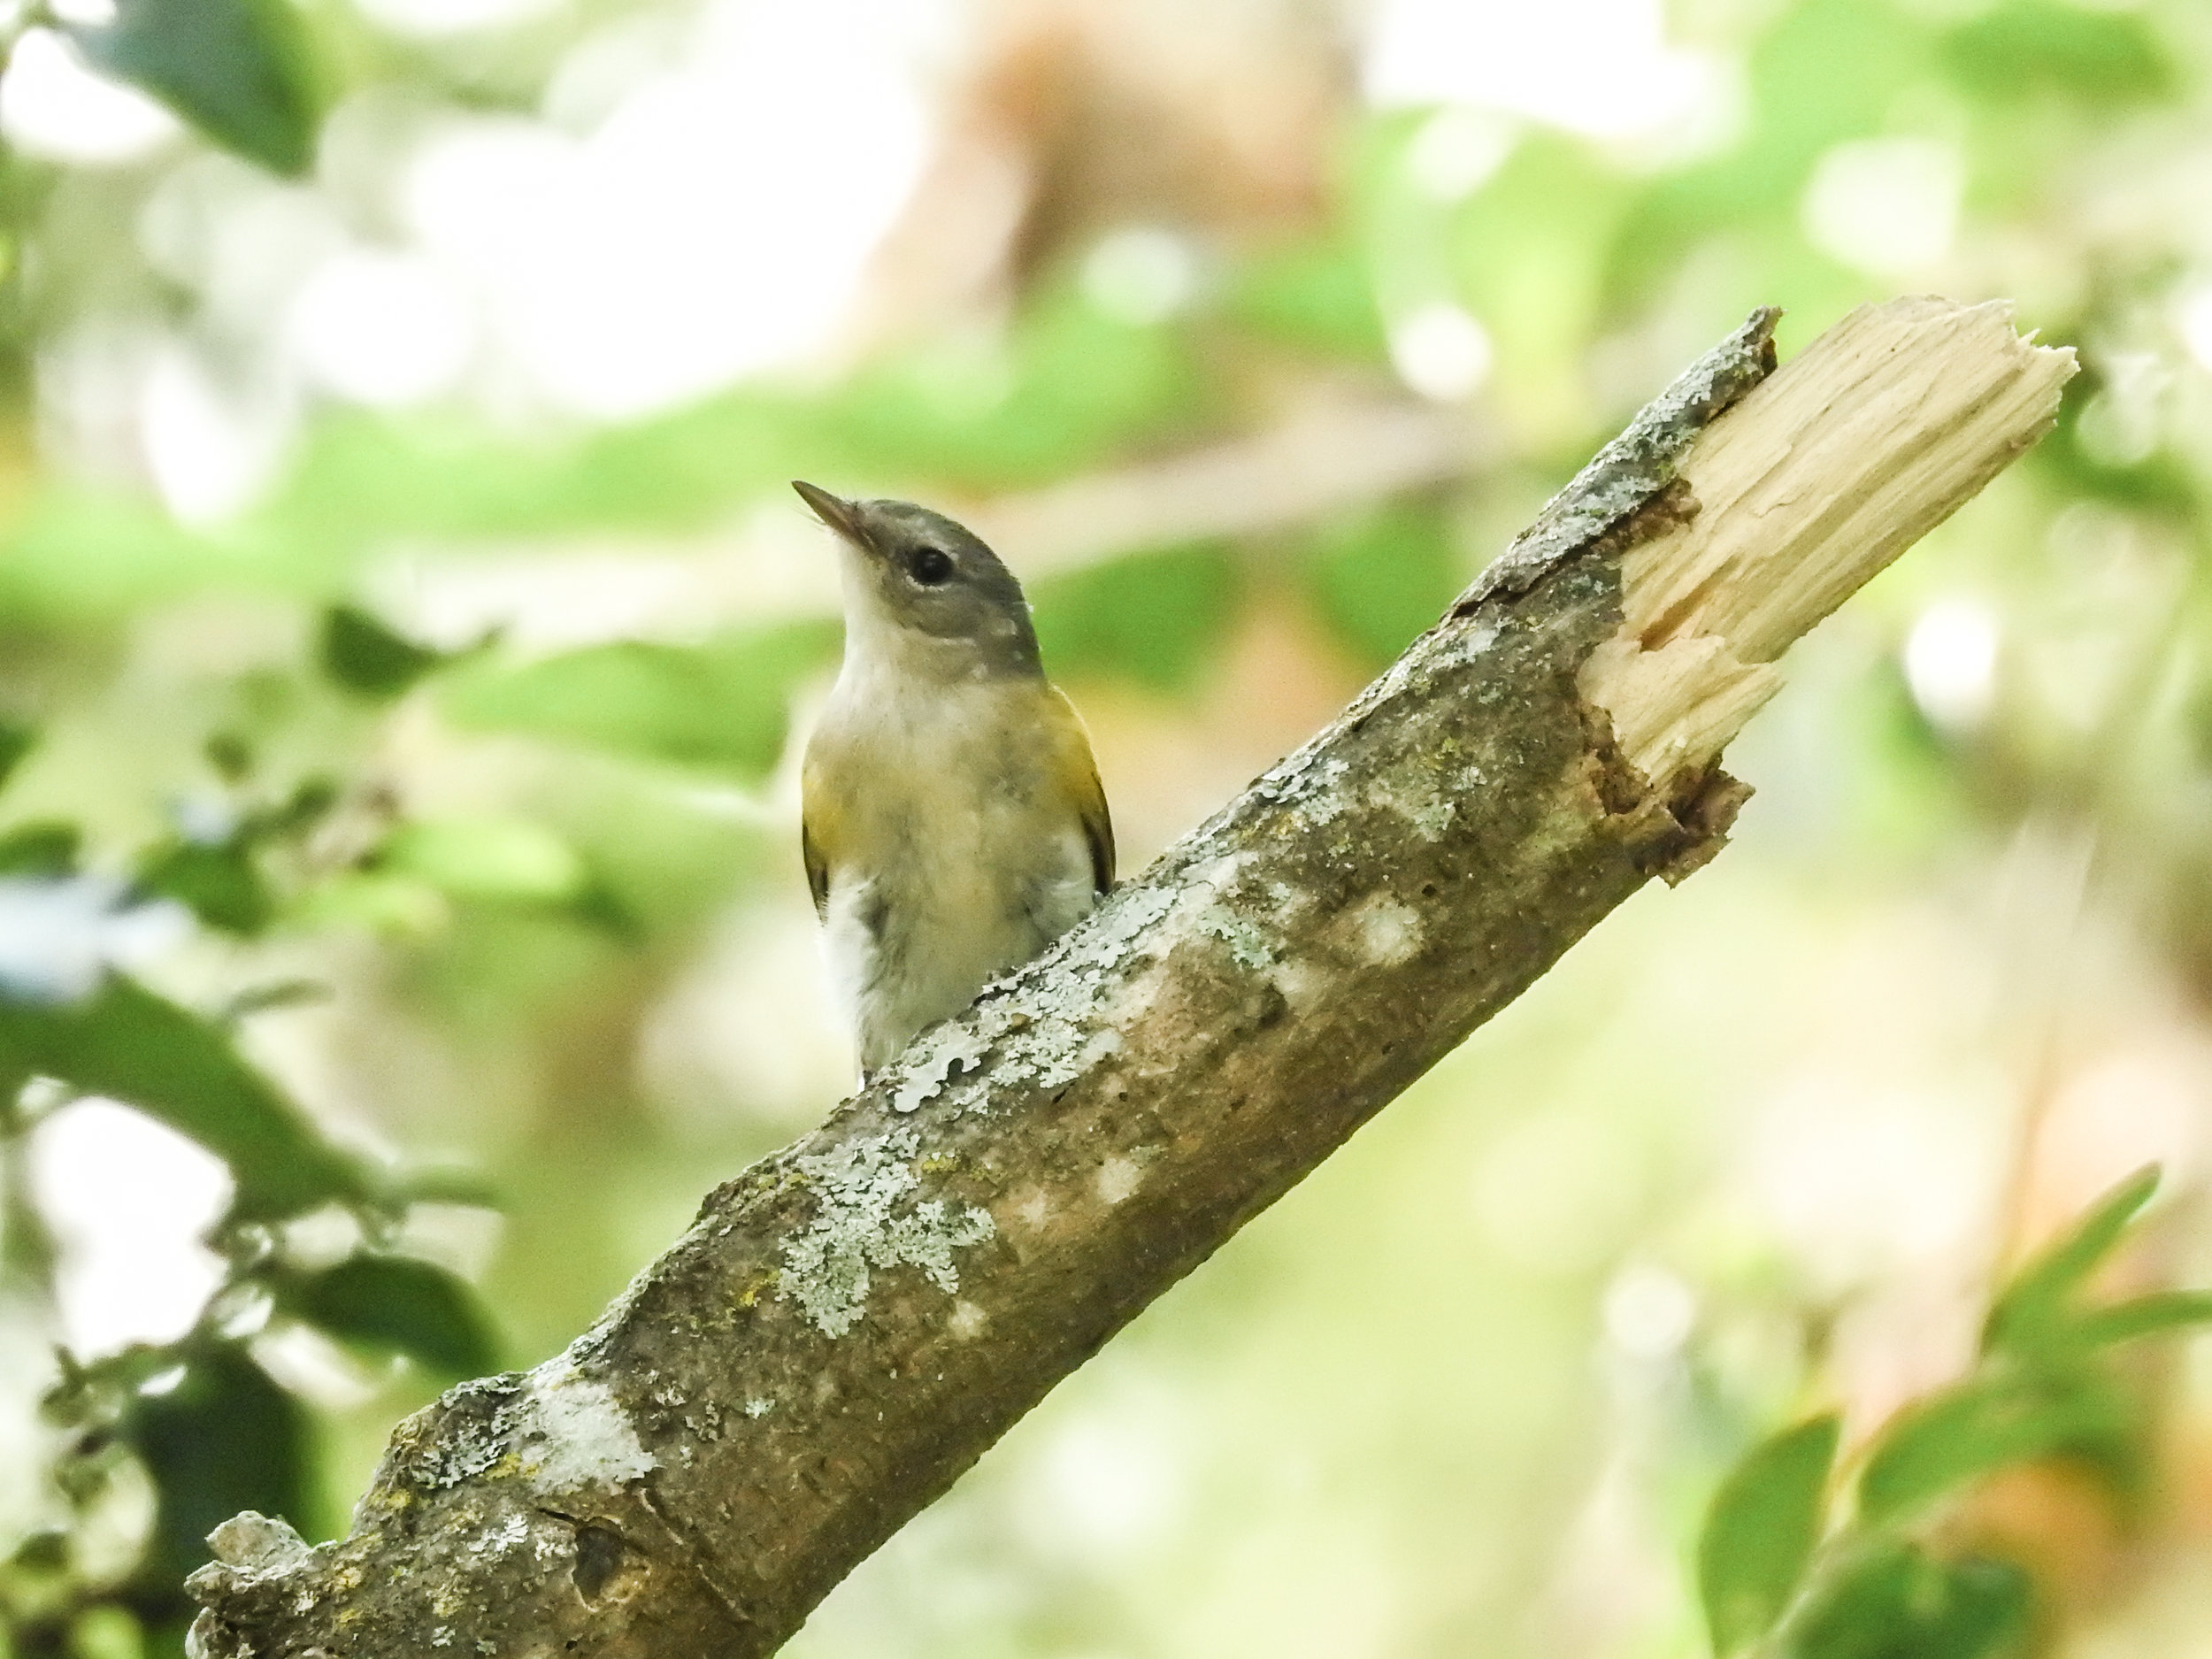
(403, 623)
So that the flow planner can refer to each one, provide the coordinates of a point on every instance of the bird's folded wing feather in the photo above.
(1076, 771)
(814, 831)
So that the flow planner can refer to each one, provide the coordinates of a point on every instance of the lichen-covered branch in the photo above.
(850, 1324)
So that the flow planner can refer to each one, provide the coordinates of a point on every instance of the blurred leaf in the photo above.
(2031, 47)
(1740, 208)
(1317, 294)
(366, 478)
(1381, 578)
(16, 741)
(305, 807)
(1064, 388)
(126, 1042)
(2161, 1312)
(596, 904)
(724, 705)
(2157, 482)
(1897, 1601)
(1944, 1442)
(1530, 251)
(230, 756)
(363, 656)
(1155, 618)
(107, 1632)
(402, 905)
(238, 69)
(45, 848)
(216, 880)
(72, 551)
(44, 1551)
(224, 1438)
(507, 858)
(397, 1304)
(1761, 1531)
(439, 1184)
(2030, 1315)
(260, 998)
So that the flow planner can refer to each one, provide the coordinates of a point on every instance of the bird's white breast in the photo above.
(958, 853)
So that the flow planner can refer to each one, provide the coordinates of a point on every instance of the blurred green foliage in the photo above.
(1381, 576)
(517, 856)
(124, 1043)
(395, 1304)
(238, 69)
(1764, 1521)
(361, 654)
(722, 706)
(2049, 1389)
(1154, 619)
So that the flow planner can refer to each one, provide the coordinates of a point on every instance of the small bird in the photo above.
(952, 820)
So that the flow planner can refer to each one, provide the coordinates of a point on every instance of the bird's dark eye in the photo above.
(929, 565)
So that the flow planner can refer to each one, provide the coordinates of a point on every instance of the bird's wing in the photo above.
(1079, 776)
(811, 811)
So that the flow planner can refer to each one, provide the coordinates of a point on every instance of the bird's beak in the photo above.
(838, 514)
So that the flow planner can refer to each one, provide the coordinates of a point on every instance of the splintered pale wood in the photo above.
(851, 1323)
(1790, 501)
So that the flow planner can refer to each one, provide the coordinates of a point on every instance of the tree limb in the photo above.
(850, 1324)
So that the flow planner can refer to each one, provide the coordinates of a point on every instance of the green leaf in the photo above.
(2030, 1316)
(275, 993)
(1898, 1602)
(1318, 294)
(397, 1304)
(1938, 1445)
(361, 654)
(16, 740)
(723, 705)
(306, 806)
(238, 69)
(438, 1184)
(2154, 1315)
(1761, 1531)
(1381, 578)
(402, 906)
(107, 1632)
(1151, 618)
(126, 1042)
(230, 756)
(1064, 388)
(497, 858)
(47, 847)
(224, 1438)
(598, 905)
(2032, 46)
(218, 880)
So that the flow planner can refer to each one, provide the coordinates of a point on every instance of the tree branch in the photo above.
(852, 1322)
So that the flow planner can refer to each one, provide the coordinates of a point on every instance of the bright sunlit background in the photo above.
(407, 618)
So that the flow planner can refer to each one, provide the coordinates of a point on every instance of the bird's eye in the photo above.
(929, 565)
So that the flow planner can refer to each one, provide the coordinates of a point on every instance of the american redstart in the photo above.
(953, 824)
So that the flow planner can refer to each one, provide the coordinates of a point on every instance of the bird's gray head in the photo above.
(913, 578)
